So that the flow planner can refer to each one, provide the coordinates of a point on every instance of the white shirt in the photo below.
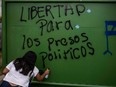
(16, 77)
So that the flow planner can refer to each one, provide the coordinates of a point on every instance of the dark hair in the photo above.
(26, 64)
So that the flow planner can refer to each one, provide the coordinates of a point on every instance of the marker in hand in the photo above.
(46, 76)
(47, 71)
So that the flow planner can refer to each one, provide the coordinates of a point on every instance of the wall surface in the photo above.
(75, 39)
(0, 36)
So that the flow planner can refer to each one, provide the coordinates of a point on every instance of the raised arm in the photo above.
(5, 71)
(41, 77)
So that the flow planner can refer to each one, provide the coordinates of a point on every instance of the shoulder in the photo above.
(10, 64)
(35, 71)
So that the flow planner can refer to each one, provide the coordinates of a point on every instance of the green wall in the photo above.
(75, 39)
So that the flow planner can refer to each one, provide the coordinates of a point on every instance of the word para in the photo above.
(51, 26)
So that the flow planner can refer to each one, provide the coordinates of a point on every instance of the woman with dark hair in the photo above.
(19, 71)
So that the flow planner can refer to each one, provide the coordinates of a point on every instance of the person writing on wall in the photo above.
(19, 71)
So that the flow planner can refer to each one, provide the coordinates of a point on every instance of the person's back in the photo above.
(19, 71)
(14, 76)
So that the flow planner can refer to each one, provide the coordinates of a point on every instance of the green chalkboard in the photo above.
(76, 40)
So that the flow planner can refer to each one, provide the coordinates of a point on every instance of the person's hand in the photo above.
(47, 71)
